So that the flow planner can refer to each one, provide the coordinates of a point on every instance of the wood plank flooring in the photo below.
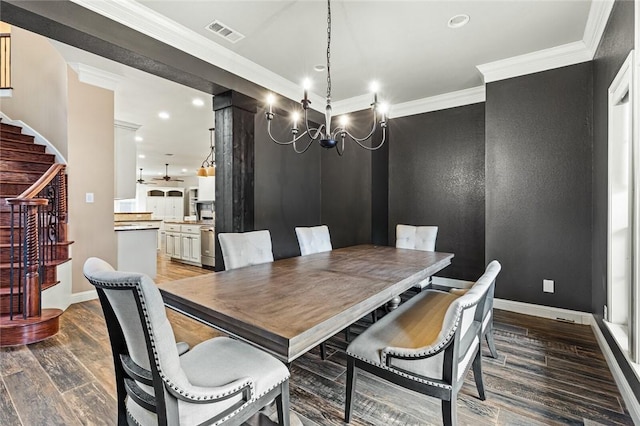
(548, 372)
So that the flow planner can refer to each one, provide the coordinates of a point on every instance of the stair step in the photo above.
(15, 136)
(23, 165)
(23, 332)
(6, 127)
(18, 177)
(22, 155)
(50, 272)
(12, 190)
(33, 147)
(58, 251)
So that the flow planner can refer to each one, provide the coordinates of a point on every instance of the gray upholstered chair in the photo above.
(487, 318)
(314, 239)
(219, 381)
(417, 238)
(240, 249)
(428, 344)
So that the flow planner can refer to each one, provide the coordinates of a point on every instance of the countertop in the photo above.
(140, 227)
(192, 222)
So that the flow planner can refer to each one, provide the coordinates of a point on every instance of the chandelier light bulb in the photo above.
(374, 87)
(306, 84)
(344, 120)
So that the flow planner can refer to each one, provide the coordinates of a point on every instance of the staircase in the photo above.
(33, 236)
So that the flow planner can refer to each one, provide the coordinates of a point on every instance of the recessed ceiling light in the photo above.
(458, 21)
(320, 67)
(139, 138)
(142, 156)
(197, 102)
(184, 170)
(164, 115)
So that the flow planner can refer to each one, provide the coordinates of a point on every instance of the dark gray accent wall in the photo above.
(617, 42)
(538, 185)
(346, 188)
(436, 177)
(287, 186)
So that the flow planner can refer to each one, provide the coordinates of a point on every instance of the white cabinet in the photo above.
(166, 203)
(183, 243)
(190, 243)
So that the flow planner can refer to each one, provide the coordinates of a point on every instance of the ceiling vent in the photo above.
(224, 31)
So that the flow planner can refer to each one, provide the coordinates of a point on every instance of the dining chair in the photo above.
(487, 318)
(414, 238)
(219, 381)
(427, 345)
(314, 239)
(240, 249)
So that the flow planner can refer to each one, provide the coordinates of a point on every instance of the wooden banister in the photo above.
(38, 222)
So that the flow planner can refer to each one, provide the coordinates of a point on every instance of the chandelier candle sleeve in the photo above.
(323, 134)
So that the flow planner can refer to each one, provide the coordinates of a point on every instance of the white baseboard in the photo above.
(83, 296)
(629, 397)
(543, 311)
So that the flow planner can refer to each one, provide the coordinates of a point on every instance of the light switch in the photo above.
(88, 197)
(547, 286)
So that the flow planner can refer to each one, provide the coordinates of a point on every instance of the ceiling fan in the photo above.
(141, 181)
(166, 176)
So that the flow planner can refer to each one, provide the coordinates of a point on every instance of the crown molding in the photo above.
(596, 23)
(542, 60)
(357, 103)
(96, 77)
(435, 103)
(147, 21)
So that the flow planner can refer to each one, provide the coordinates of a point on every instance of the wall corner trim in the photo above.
(596, 24)
(542, 60)
(84, 296)
(630, 399)
(473, 95)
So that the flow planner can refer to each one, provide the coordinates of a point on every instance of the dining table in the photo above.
(291, 305)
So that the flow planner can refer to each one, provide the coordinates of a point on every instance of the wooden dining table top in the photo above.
(291, 305)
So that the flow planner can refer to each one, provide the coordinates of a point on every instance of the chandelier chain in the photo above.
(328, 51)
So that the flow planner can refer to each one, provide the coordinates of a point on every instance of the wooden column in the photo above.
(380, 190)
(234, 139)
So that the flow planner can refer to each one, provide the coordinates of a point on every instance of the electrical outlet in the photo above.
(548, 286)
(88, 197)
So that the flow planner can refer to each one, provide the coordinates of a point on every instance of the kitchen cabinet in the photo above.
(173, 241)
(166, 203)
(124, 160)
(183, 243)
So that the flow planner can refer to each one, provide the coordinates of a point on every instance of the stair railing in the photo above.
(38, 222)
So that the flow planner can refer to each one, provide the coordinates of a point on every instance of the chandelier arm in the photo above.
(371, 148)
(283, 143)
(297, 151)
(318, 130)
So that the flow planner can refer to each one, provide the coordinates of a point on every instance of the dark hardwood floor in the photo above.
(548, 372)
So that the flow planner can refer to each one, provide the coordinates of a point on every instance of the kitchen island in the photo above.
(183, 242)
(137, 242)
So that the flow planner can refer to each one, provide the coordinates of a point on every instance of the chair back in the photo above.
(240, 249)
(314, 239)
(416, 237)
(142, 340)
(459, 334)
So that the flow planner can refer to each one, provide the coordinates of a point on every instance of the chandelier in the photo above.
(208, 167)
(323, 133)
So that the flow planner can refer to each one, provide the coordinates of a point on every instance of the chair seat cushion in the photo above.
(216, 362)
(415, 324)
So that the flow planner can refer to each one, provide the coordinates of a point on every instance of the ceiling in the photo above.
(406, 46)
